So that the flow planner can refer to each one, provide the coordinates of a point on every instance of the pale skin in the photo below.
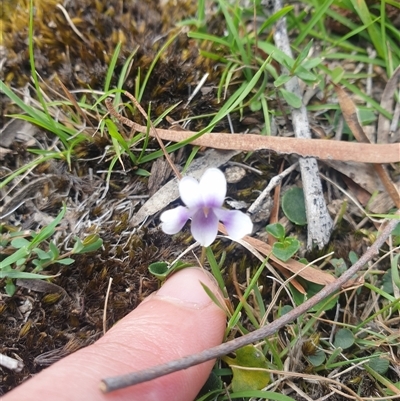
(180, 319)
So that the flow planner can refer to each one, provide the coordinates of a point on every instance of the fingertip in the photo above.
(179, 320)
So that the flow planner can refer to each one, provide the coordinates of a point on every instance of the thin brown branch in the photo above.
(318, 148)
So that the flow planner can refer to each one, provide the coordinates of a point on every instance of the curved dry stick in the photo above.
(130, 379)
(318, 148)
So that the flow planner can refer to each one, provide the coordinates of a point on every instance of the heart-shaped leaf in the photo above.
(276, 230)
(284, 250)
(244, 378)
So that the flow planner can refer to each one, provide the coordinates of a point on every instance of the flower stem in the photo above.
(203, 256)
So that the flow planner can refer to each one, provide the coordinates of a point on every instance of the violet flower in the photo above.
(204, 201)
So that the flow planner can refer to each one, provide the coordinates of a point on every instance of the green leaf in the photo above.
(333, 357)
(387, 283)
(142, 172)
(20, 242)
(22, 253)
(259, 394)
(215, 270)
(344, 339)
(38, 263)
(286, 249)
(396, 231)
(276, 230)
(19, 274)
(213, 297)
(255, 378)
(366, 117)
(213, 383)
(313, 289)
(305, 75)
(48, 231)
(160, 270)
(281, 80)
(337, 74)
(54, 250)
(111, 67)
(285, 309)
(291, 99)
(339, 265)
(91, 243)
(20, 262)
(318, 358)
(255, 105)
(42, 254)
(311, 63)
(304, 53)
(78, 246)
(273, 18)
(379, 365)
(66, 261)
(10, 288)
(395, 271)
(294, 207)
(353, 257)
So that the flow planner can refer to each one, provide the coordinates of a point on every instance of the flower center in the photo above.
(206, 210)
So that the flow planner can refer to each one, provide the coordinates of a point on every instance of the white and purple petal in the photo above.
(173, 220)
(204, 227)
(190, 192)
(213, 188)
(237, 223)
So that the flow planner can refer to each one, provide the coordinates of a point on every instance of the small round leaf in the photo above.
(160, 270)
(344, 339)
(318, 358)
(379, 365)
(294, 207)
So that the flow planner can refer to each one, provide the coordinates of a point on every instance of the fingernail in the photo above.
(185, 287)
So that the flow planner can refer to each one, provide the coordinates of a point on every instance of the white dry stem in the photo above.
(274, 182)
(11, 363)
(319, 221)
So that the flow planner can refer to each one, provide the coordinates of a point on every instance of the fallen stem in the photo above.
(318, 148)
(119, 382)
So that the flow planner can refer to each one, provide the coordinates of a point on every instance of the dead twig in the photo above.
(319, 221)
(116, 383)
(273, 183)
(315, 148)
